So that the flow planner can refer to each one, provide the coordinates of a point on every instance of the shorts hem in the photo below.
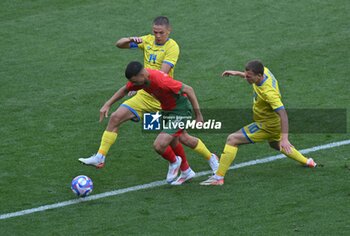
(137, 117)
(246, 135)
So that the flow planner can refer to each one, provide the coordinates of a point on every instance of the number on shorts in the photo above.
(253, 128)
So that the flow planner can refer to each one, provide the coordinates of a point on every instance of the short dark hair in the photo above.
(255, 66)
(133, 69)
(161, 20)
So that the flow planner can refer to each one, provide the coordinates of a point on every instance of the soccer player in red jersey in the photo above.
(176, 99)
(160, 53)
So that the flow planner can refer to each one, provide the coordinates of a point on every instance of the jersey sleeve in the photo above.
(140, 45)
(274, 99)
(164, 81)
(174, 86)
(172, 54)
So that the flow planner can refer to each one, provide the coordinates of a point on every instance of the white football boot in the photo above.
(311, 163)
(184, 176)
(213, 180)
(97, 160)
(173, 170)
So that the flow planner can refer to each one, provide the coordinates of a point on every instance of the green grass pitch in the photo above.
(59, 65)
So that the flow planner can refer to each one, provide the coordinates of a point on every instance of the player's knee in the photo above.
(116, 118)
(159, 147)
(232, 139)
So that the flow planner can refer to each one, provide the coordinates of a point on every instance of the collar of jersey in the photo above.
(161, 44)
(263, 81)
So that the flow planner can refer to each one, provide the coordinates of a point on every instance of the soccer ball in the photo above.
(82, 186)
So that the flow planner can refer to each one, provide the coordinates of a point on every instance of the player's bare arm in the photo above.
(125, 42)
(233, 73)
(165, 68)
(117, 96)
(284, 143)
(194, 102)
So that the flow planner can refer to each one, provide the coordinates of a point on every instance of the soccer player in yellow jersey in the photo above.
(270, 121)
(160, 53)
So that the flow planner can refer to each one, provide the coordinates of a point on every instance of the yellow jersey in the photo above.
(267, 99)
(155, 54)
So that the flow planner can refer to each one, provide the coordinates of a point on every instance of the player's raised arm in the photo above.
(194, 102)
(233, 73)
(118, 95)
(125, 42)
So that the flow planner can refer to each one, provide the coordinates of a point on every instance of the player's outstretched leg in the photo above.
(226, 160)
(295, 155)
(227, 157)
(109, 137)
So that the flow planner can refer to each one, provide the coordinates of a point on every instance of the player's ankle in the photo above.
(186, 172)
(218, 177)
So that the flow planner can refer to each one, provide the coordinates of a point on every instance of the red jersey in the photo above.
(164, 88)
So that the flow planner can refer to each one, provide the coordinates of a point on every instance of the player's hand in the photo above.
(131, 93)
(286, 146)
(199, 118)
(228, 73)
(137, 40)
(104, 112)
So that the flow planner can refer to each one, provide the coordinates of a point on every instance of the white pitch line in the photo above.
(163, 182)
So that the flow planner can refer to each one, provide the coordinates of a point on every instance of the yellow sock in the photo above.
(296, 155)
(108, 138)
(202, 150)
(226, 159)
